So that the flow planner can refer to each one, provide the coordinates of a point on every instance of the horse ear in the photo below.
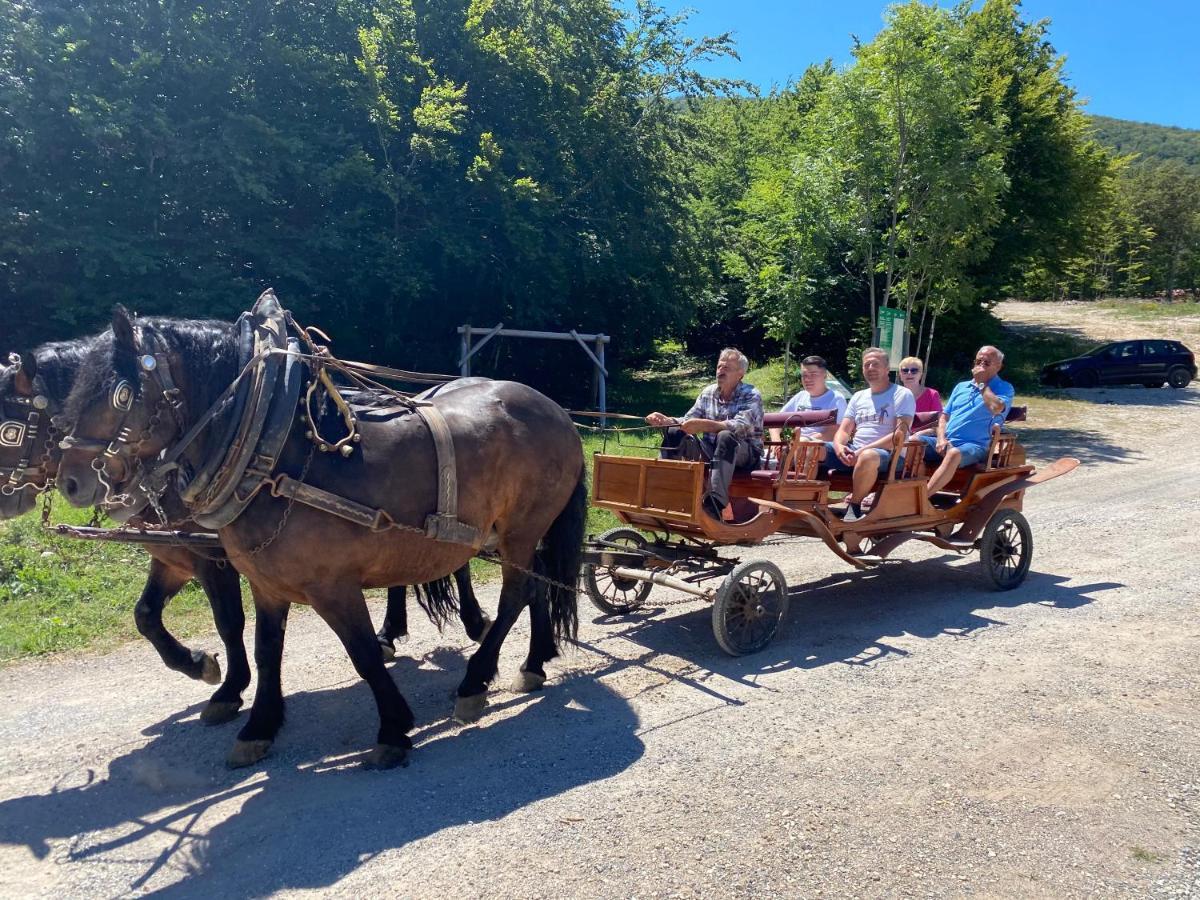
(122, 326)
(26, 371)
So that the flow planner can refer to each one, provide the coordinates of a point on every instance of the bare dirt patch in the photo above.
(910, 733)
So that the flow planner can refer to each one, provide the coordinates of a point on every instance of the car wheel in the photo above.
(1179, 377)
(1088, 378)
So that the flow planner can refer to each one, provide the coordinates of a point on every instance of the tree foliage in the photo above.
(393, 167)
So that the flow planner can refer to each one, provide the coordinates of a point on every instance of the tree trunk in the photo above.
(929, 346)
(787, 367)
(921, 331)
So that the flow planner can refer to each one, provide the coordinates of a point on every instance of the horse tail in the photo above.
(438, 600)
(560, 558)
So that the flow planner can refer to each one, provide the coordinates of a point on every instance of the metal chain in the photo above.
(287, 510)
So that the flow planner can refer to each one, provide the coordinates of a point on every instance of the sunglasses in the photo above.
(910, 371)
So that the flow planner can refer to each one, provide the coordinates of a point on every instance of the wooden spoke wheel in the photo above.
(749, 607)
(610, 593)
(1006, 549)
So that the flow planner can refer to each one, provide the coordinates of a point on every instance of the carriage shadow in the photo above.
(307, 816)
(848, 618)
(1131, 396)
(1089, 447)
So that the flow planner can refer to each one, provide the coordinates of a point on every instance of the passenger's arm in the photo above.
(942, 443)
(842, 439)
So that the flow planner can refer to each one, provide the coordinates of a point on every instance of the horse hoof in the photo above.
(218, 712)
(247, 753)
(210, 669)
(527, 682)
(386, 756)
(389, 652)
(469, 709)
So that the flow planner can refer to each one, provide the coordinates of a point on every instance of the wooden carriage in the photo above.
(980, 509)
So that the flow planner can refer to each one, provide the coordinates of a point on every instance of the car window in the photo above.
(1158, 348)
(1122, 351)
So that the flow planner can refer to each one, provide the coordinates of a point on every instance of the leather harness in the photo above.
(262, 409)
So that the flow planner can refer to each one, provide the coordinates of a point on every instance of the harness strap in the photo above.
(396, 374)
(326, 501)
(444, 524)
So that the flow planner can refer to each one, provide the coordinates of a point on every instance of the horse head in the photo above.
(28, 457)
(117, 417)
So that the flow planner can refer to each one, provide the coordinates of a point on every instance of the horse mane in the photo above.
(59, 362)
(205, 349)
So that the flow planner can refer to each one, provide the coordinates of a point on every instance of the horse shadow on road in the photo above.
(306, 818)
(848, 618)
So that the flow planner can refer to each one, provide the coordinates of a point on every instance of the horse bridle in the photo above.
(23, 433)
(153, 368)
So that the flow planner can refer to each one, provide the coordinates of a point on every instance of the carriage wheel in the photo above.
(749, 607)
(1006, 549)
(609, 593)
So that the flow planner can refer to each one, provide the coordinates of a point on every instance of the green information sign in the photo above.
(892, 332)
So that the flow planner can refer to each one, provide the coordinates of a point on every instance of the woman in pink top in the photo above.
(912, 376)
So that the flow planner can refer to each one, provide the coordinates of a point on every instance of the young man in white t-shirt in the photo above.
(815, 396)
(863, 441)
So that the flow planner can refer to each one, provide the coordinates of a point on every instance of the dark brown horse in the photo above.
(520, 483)
(33, 390)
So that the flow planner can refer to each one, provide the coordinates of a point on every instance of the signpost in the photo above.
(893, 329)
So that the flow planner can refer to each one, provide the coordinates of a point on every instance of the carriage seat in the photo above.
(802, 465)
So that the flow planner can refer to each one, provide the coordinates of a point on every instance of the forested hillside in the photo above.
(395, 168)
(1160, 143)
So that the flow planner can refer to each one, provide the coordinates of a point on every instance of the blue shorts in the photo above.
(833, 464)
(972, 454)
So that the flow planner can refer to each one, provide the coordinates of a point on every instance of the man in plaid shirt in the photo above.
(728, 417)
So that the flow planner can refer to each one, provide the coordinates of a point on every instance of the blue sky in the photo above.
(1131, 60)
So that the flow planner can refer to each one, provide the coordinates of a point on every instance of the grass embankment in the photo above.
(65, 594)
(1151, 309)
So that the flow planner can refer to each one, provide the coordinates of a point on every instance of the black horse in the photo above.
(520, 480)
(32, 392)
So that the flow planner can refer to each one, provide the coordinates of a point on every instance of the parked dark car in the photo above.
(1152, 363)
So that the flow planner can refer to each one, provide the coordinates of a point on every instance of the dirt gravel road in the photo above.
(910, 733)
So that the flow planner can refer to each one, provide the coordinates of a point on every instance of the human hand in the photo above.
(844, 453)
(656, 418)
(942, 445)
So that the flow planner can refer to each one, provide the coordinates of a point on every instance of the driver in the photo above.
(728, 419)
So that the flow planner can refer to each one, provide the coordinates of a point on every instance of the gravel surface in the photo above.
(909, 733)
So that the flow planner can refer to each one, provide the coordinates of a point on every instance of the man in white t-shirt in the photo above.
(863, 441)
(815, 396)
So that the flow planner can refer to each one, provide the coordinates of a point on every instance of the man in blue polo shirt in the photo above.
(964, 430)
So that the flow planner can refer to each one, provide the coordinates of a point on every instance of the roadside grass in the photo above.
(1141, 854)
(59, 594)
(1151, 309)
